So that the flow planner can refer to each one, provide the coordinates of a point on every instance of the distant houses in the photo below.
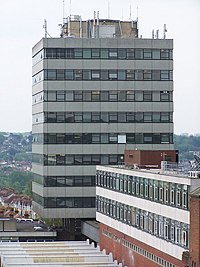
(13, 204)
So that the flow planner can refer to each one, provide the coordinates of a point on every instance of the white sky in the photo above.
(21, 27)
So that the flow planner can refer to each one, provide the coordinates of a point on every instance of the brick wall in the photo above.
(127, 256)
(194, 231)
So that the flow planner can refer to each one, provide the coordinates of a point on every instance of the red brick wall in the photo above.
(195, 231)
(148, 157)
(127, 256)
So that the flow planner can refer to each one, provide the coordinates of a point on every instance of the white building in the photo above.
(144, 215)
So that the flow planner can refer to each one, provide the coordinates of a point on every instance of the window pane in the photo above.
(147, 117)
(122, 53)
(139, 75)
(164, 96)
(51, 96)
(113, 96)
(156, 54)
(139, 117)
(138, 96)
(130, 76)
(60, 96)
(122, 117)
(51, 74)
(130, 95)
(122, 95)
(130, 53)
(86, 74)
(104, 75)
(113, 75)
(147, 75)
(104, 138)
(95, 74)
(138, 53)
(104, 53)
(61, 75)
(156, 75)
(69, 96)
(104, 96)
(69, 75)
(78, 75)
(113, 53)
(164, 75)
(77, 52)
(147, 54)
(121, 75)
(147, 96)
(95, 53)
(86, 53)
(86, 96)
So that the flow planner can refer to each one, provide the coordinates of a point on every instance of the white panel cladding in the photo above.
(153, 64)
(37, 88)
(69, 191)
(154, 174)
(150, 206)
(37, 108)
(64, 212)
(37, 47)
(80, 149)
(104, 42)
(69, 170)
(37, 67)
(153, 241)
(38, 189)
(37, 168)
(38, 148)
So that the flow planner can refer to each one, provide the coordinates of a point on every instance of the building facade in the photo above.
(96, 92)
(144, 215)
(194, 255)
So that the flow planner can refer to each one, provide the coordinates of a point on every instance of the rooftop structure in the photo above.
(74, 26)
(55, 254)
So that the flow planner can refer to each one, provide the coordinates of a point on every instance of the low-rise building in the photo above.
(144, 215)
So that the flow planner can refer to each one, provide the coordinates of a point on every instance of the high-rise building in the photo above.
(97, 90)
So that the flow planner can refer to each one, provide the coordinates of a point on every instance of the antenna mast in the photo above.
(70, 8)
(63, 11)
(45, 28)
(164, 31)
(108, 9)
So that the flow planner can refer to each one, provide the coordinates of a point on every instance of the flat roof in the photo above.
(57, 254)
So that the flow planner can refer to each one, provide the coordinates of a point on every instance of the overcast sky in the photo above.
(21, 27)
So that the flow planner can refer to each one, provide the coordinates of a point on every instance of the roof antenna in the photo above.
(63, 11)
(45, 29)
(130, 12)
(164, 31)
(70, 8)
(137, 13)
(108, 9)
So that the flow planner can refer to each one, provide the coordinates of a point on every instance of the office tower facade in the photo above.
(97, 90)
